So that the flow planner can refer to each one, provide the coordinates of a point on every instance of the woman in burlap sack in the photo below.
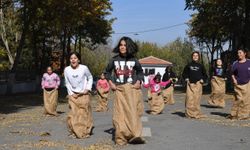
(79, 80)
(50, 83)
(102, 91)
(218, 86)
(156, 103)
(241, 79)
(194, 74)
(126, 84)
(168, 90)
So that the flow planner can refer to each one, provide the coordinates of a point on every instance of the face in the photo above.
(74, 61)
(122, 47)
(241, 54)
(49, 70)
(195, 56)
(102, 76)
(219, 62)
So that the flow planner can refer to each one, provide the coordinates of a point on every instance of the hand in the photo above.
(113, 86)
(75, 95)
(85, 92)
(201, 81)
(137, 85)
(235, 82)
(225, 79)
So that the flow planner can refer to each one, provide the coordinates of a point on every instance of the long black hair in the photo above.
(131, 46)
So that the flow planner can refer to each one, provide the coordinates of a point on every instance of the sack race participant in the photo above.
(241, 79)
(50, 84)
(194, 74)
(168, 91)
(218, 86)
(126, 84)
(79, 80)
(103, 92)
(156, 103)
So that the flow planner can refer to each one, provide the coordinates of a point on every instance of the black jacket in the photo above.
(194, 71)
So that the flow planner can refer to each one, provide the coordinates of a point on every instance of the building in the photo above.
(154, 64)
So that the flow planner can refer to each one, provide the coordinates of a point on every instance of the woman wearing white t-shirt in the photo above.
(78, 80)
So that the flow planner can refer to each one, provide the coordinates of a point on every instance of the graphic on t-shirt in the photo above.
(194, 68)
(124, 71)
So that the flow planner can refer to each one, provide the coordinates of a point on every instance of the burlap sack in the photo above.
(218, 86)
(168, 95)
(50, 101)
(156, 104)
(102, 100)
(241, 104)
(126, 114)
(193, 97)
(79, 120)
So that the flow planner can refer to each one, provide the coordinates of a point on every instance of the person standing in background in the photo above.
(218, 85)
(168, 91)
(50, 84)
(103, 91)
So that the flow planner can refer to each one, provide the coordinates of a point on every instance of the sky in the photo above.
(144, 15)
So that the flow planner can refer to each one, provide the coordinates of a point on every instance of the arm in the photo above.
(98, 85)
(67, 84)
(204, 73)
(43, 81)
(164, 83)
(58, 81)
(185, 73)
(139, 75)
(89, 80)
(108, 74)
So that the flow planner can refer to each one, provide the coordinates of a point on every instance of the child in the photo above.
(128, 75)
(156, 104)
(194, 74)
(218, 86)
(168, 91)
(241, 79)
(103, 91)
(79, 80)
(149, 78)
(50, 84)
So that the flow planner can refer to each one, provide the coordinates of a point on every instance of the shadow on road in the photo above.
(112, 132)
(209, 106)
(179, 113)
(220, 114)
(17, 102)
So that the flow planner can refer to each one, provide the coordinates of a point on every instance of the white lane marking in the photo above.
(144, 119)
(146, 132)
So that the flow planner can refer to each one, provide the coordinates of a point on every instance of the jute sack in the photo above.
(193, 97)
(79, 120)
(218, 86)
(126, 113)
(241, 104)
(50, 101)
(102, 100)
(168, 95)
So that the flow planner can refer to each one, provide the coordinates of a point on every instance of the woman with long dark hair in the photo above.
(128, 106)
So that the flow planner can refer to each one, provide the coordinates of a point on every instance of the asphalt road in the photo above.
(23, 126)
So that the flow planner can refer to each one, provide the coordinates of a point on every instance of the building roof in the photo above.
(151, 60)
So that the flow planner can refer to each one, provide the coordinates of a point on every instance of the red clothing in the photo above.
(103, 83)
(156, 87)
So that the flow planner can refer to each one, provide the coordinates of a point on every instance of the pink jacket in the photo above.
(103, 84)
(50, 81)
(156, 87)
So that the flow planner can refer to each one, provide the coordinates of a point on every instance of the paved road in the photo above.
(24, 127)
